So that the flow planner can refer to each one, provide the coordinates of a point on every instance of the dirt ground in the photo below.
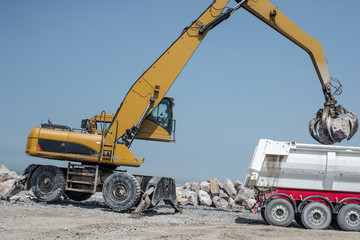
(92, 219)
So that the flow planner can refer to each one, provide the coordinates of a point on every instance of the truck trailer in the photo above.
(317, 185)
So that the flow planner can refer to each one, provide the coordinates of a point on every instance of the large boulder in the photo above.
(229, 188)
(194, 186)
(204, 198)
(246, 197)
(179, 192)
(6, 186)
(214, 188)
(205, 186)
(191, 196)
(224, 195)
(183, 201)
(238, 185)
(3, 169)
(220, 202)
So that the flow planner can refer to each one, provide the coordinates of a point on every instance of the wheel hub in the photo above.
(317, 216)
(352, 218)
(119, 191)
(279, 212)
(46, 183)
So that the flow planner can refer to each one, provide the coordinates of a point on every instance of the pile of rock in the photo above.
(7, 179)
(212, 193)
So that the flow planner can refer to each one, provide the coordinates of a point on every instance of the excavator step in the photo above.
(80, 182)
(81, 178)
(82, 174)
(79, 190)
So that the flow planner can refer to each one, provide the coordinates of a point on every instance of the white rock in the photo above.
(249, 203)
(244, 194)
(214, 188)
(187, 185)
(238, 185)
(205, 186)
(179, 192)
(183, 201)
(220, 202)
(220, 185)
(204, 198)
(191, 196)
(194, 186)
(224, 195)
(3, 169)
(229, 188)
(5, 186)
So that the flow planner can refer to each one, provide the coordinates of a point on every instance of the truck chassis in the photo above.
(311, 209)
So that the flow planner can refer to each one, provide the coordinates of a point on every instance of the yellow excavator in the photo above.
(103, 143)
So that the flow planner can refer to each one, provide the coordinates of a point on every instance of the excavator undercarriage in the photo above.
(121, 191)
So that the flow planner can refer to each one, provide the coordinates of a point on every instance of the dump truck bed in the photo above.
(277, 164)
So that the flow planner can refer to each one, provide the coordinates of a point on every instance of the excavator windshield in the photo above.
(162, 114)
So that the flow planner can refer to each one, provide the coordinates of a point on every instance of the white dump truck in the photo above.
(317, 185)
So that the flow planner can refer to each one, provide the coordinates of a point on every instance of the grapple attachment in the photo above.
(333, 124)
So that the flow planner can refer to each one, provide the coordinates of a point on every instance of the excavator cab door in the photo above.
(163, 115)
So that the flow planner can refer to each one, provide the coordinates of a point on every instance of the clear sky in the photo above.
(68, 60)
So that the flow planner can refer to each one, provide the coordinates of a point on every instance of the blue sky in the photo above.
(69, 60)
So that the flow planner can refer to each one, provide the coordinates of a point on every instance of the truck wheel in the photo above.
(48, 183)
(78, 196)
(121, 191)
(279, 212)
(316, 215)
(349, 217)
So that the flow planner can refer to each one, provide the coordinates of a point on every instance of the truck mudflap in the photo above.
(154, 190)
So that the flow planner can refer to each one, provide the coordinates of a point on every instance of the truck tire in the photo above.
(316, 215)
(279, 212)
(48, 183)
(349, 217)
(78, 196)
(121, 191)
(298, 220)
(262, 213)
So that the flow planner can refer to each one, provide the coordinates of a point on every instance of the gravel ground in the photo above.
(66, 219)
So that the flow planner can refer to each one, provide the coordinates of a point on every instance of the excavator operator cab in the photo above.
(163, 114)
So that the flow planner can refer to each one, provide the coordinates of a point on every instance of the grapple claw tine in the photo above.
(313, 125)
(354, 122)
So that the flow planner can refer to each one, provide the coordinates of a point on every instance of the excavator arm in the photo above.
(333, 123)
(149, 90)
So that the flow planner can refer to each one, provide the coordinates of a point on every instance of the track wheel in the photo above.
(349, 217)
(279, 212)
(121, 191)
(316, 215)
(78, 196)
(48, 183)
